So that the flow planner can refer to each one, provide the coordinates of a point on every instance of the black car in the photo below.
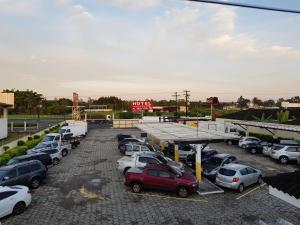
(43, 157)
(212, 165)
(170, 148)
(120, 137)
(205, 155)
(257, 147)
(30, 173)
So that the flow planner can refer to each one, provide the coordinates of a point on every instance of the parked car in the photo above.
(183, 149)
(162, 177)
(129, 140)
(206, 154)
(131, 148)
(284, 154)
(55, 155)
(246, 140)
(120, 137)
(267, 149)
(65, 143)
(30, 173)
(142, 159)
(212, 165)
(14, 200)
(238, 176)
(43, 157)
(254, 147)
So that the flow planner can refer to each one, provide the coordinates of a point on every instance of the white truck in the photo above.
(142, 159)
(74, 129)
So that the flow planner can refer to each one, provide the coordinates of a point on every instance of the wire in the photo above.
(247, 6)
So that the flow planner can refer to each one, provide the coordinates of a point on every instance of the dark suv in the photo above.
(43, 157)
(29, 173)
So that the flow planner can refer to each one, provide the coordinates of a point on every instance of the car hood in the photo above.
(189, 177)
(209, 167)
(175, 164)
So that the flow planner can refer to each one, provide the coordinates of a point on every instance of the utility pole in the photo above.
(187, 96)
(176, 95)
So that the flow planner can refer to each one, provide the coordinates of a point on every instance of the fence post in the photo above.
(25, 126)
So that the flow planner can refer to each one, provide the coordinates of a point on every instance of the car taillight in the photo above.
(235, 179)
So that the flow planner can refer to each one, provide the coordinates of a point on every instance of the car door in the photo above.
(141, 161)
(292, 152)
(128, 149)
(10, 178)
(245, 177)
(24, 173)
(253, 175)
(136, 148)
(7, 202)
(152, 180)
(167, 180)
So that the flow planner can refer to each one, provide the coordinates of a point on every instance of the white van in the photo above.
(77, 130)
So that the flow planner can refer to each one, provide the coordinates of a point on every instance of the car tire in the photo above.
(229, 142)
(182, 192)
(241, 188)
(260, 180)
(64, 152)
(253, 151)
(136, 187)
(55, 161)
(243, 146)
(35, 183)
(283, 160)
(19, 208)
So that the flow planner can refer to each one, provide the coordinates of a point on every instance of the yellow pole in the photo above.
(176, 153)
(162, 146)
(153, 140)
(198, 162)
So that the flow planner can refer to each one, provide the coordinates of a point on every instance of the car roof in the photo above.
(19, 164)
(157, 166)
(222, 155)
(147, 154)
(28, 156)
(235, 166)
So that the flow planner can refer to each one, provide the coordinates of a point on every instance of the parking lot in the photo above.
(86, 188)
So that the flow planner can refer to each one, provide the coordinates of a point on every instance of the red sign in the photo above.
(139, 106)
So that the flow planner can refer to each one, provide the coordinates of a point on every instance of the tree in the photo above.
(256, 101)
(242, 102)
(269, 103)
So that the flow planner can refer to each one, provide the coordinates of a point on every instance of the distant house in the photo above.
(290, 105)
(285, 186)
(6, 102)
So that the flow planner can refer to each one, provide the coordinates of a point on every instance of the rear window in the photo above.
(277, 147)
(227, 172)
(24, 170)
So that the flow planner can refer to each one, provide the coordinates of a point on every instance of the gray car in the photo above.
(238, 176)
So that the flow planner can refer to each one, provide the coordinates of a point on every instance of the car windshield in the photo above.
(277, 147)
(41, 145)
(214, 161)
(12, 161)
(227, 172)
(176, 172)
(61, 131)
(48, 138)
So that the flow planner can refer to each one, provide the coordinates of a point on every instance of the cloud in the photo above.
(18, 7)
(134, 4)
(80, 12)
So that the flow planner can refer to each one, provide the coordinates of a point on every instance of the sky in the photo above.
(142, 49)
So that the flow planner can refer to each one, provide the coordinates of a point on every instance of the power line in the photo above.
(248, 6)
(187, 96)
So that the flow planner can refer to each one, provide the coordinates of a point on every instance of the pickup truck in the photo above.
(162, 177)
(63, 148)
(142, 159)
(62, 139)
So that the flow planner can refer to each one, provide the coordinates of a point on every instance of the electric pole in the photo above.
(187, 96)
(176, 95)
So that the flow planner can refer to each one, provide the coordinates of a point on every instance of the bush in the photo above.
(5, 148)
(265, 137)
(21, 142)
(126, 115)
(46, 131)
(29, 138)
(36, 136)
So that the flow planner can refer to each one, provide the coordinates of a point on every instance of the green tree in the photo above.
(242, 102)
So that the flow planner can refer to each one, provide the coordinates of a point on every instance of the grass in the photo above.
(34, 116)
(12, 137)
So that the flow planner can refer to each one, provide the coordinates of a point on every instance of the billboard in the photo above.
(140, 106)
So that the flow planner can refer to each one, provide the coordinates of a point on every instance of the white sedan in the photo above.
(14, 200)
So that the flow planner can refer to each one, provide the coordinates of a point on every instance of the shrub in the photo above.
(46, 131)
(21, 142)
(242, 133)
(29, 138)
(36, 136)
(5, 148)
(126, 115)
(265, 137)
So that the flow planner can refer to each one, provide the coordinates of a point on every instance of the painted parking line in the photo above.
(254, 189)
(168, 197)
(270, 168)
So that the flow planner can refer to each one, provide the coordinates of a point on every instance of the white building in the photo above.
(290, 105)
(6, 102)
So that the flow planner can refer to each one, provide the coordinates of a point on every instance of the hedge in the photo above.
(20, 143)
(21, 150)
(265, 137)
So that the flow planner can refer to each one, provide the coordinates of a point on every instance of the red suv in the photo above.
(162, 177)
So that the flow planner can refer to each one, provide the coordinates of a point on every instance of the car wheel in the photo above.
(35, 183)
(55, 161)
(136, 188)
(253, 151)
(283, 159)
(260, 180)
(229, 142)
(243, 146)
(182, 192)
(19, 208)
(64, 152)
(241, 188)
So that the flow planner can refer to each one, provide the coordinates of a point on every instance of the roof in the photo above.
(181, 133)
(253, 114)
(4, 105)
(286, 182)
(235, 166)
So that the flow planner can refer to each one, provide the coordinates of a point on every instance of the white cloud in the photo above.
(134, 4)
(18, 7)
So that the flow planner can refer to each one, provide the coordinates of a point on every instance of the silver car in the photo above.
(285, 153)
(238, 176)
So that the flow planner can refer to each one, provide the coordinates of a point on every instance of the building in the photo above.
(6, 102)
(290, 105)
